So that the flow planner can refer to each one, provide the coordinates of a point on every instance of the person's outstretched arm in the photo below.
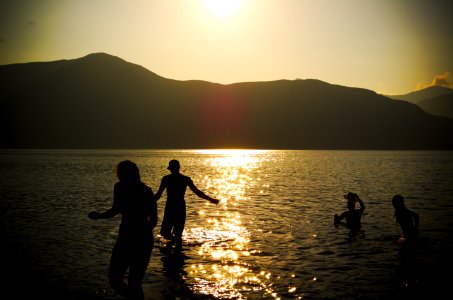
(200, 194)
(109, 213)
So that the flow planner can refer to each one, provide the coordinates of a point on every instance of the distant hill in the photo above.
(436, 100)
(102, 101)
(428, 93)
(440, 105)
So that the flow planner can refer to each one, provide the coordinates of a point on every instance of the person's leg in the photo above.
(118, 267)
(178, 229)
(139, 262)
(167, 225)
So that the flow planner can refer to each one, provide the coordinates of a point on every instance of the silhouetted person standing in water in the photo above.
(175, 207)
(135, 202)
(353, 216)
(409, 222)
(407, 219)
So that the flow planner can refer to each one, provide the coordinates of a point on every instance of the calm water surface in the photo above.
(271, 236)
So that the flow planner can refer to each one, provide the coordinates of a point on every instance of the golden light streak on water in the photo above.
(226, 271)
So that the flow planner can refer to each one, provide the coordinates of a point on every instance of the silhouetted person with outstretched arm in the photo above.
(353, 216)
(407, 219)
(135, 202)
(175, 207)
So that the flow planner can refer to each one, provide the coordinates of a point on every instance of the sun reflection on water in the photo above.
(226, 268)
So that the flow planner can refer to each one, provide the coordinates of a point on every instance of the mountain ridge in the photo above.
(102, 101)
(426, 93)
(441, 105)
(435, 100)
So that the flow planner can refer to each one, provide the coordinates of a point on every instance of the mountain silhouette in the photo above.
(427, 93)
(102, 101)
(441, 105)
(436, 100)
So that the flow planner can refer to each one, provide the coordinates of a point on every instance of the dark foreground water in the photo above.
(272, 235)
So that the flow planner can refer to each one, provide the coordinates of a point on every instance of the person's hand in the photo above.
(93, 215)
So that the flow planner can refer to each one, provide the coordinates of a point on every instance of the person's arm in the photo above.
(199, 193)
(151, 208)
(362, 205)
(161, 189)
(337, 218)
(111, 212)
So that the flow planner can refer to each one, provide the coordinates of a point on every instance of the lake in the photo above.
(271, 237)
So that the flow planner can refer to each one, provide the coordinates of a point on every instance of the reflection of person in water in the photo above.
(176, 276)
(175, 207)
(407, 219)
(135, 202)
(353, 216)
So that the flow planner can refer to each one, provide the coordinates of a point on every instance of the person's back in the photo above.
(176, 185)
(135, 202)
(175, 208)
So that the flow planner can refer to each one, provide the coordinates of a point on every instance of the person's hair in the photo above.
(127, 171)
(398, 201)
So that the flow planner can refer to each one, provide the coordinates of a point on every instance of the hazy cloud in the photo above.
(442, 80)
(439, 80)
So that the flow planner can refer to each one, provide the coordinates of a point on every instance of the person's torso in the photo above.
(176, 185)
(404, 218)
(353, 218)
(137, 207)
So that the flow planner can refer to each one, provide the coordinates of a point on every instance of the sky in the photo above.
(389, 46)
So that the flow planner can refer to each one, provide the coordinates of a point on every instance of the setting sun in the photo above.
(223, 8)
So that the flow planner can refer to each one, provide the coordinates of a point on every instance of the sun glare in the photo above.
(223, 8)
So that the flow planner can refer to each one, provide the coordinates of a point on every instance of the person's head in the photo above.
(173, 166)
(127, 171)
(398, 201)
(351, 197)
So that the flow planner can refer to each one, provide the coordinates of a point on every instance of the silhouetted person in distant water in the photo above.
(353, 216)
(175, 207)
(407, 219)
(409, 222)
(134, 200)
